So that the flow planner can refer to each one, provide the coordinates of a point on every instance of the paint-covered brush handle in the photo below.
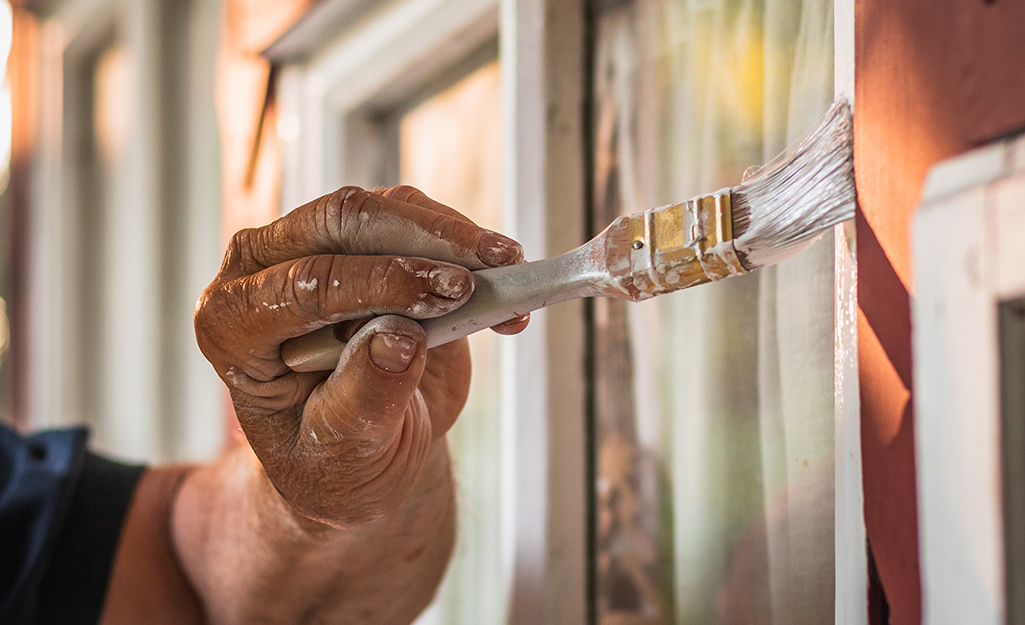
(638, 256)
(499, 294)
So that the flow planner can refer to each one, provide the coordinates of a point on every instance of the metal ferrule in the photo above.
(681, 245)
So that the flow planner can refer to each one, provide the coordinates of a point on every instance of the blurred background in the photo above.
(138, 136)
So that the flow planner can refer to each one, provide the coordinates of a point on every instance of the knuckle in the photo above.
(338, 277)
(377, 277)
(239, 239)
(202, 303)
(240, 249)
(392, 275)
(461, 233)
(209, 307)
(403, 193)
(212, 322)
(344, 211)
(306, 284)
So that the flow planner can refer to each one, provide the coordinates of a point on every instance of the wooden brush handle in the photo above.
(499, 294)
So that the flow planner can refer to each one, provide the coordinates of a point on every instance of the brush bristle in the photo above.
(807, 190)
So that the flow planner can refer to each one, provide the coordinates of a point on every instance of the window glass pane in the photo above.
(450, 148)
(1012, 409)
(714, 406)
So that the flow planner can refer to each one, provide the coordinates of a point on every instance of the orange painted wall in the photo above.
(251, 167)
(932, 79)
(14, 220)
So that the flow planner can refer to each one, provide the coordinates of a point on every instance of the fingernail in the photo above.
(494, 249)
(392, 352)
(449, 282)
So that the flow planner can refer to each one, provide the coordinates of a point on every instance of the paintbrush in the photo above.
(770, 216)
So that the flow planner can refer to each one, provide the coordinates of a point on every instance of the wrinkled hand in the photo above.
(346, 447)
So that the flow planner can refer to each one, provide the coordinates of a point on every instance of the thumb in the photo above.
(369, 430)
(376, 379)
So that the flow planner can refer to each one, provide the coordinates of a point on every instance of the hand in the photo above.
(347, 446)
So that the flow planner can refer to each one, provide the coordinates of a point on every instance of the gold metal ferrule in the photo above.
(682, 245)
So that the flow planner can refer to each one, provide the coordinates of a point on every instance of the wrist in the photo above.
(238, 537)
(433, 490)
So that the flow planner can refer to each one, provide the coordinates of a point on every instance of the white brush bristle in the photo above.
(808, 189)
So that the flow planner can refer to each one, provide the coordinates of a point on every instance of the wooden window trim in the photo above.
(851, 548)
(542, 52)
(156, 342)
(976, 200)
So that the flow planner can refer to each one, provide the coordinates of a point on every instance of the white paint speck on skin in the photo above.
(313, 433)
(233, 376)
(335, 284)
(307, 286)
(334, 433)
(404, 263)
(368, 450)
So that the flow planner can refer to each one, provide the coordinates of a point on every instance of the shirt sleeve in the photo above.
(61, 512)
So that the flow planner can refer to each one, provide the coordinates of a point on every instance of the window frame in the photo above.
(968, 260)
(851, 543)
(542, 57)
(76, 32)
(154, 337)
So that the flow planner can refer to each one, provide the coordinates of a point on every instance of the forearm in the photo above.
(252, 558)
(147, 583)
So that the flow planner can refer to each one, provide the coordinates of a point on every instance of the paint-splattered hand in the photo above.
(346, 446)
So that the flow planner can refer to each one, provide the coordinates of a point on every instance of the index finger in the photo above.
(412, 195)
(358, 222)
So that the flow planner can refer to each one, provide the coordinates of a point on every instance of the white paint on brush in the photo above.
(790, 203)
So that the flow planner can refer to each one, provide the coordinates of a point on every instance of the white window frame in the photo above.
(850, 540)
(968, 259)
(136, 426)
(344, 59)
(542, 53)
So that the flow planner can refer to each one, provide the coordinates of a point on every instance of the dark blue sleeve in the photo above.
(61, 511)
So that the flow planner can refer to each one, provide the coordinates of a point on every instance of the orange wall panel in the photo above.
(932, 79)
(251, 167)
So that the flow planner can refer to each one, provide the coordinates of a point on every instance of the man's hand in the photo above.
(345, 511)
(346, 447)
